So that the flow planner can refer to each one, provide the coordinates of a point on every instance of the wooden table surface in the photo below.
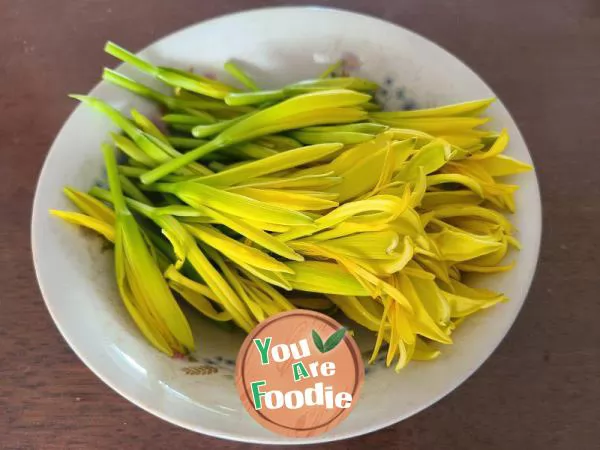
(540, 390)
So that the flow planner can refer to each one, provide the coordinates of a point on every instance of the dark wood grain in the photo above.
(540, 390)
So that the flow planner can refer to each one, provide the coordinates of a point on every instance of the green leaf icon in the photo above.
(318, 341)
(333, 340)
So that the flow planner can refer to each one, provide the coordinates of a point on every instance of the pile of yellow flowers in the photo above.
(309, 196)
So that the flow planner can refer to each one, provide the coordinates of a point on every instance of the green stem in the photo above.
(130, 171)
(168, 188)
(114, 181)
(132, 190)
(235, 71)
(127, 57)
(253, 98)
(200, 131)
(208, 105)
(129, 147)
(136, 172)
(119, 119)
(135, 87)
(146, 125)
(188, 119)
(167, 149)
(203, 79)
(170, 102)
(103, 194)
(184, 142)
(181, 128)
(157, 239)
(182, 161)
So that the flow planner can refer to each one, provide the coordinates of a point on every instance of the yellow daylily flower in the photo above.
(90, 205)
(136, 267)
(99, 226)
(307, 196)
(470, 108)
(437, 125)
(199, 195)
(293, 200)
(502, 165)
(497, 147)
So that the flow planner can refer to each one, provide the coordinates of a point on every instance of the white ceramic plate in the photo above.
(283, 45)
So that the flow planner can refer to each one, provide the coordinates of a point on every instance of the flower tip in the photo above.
(296, 257)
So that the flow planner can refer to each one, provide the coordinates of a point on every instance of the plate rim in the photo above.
(359, 431)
